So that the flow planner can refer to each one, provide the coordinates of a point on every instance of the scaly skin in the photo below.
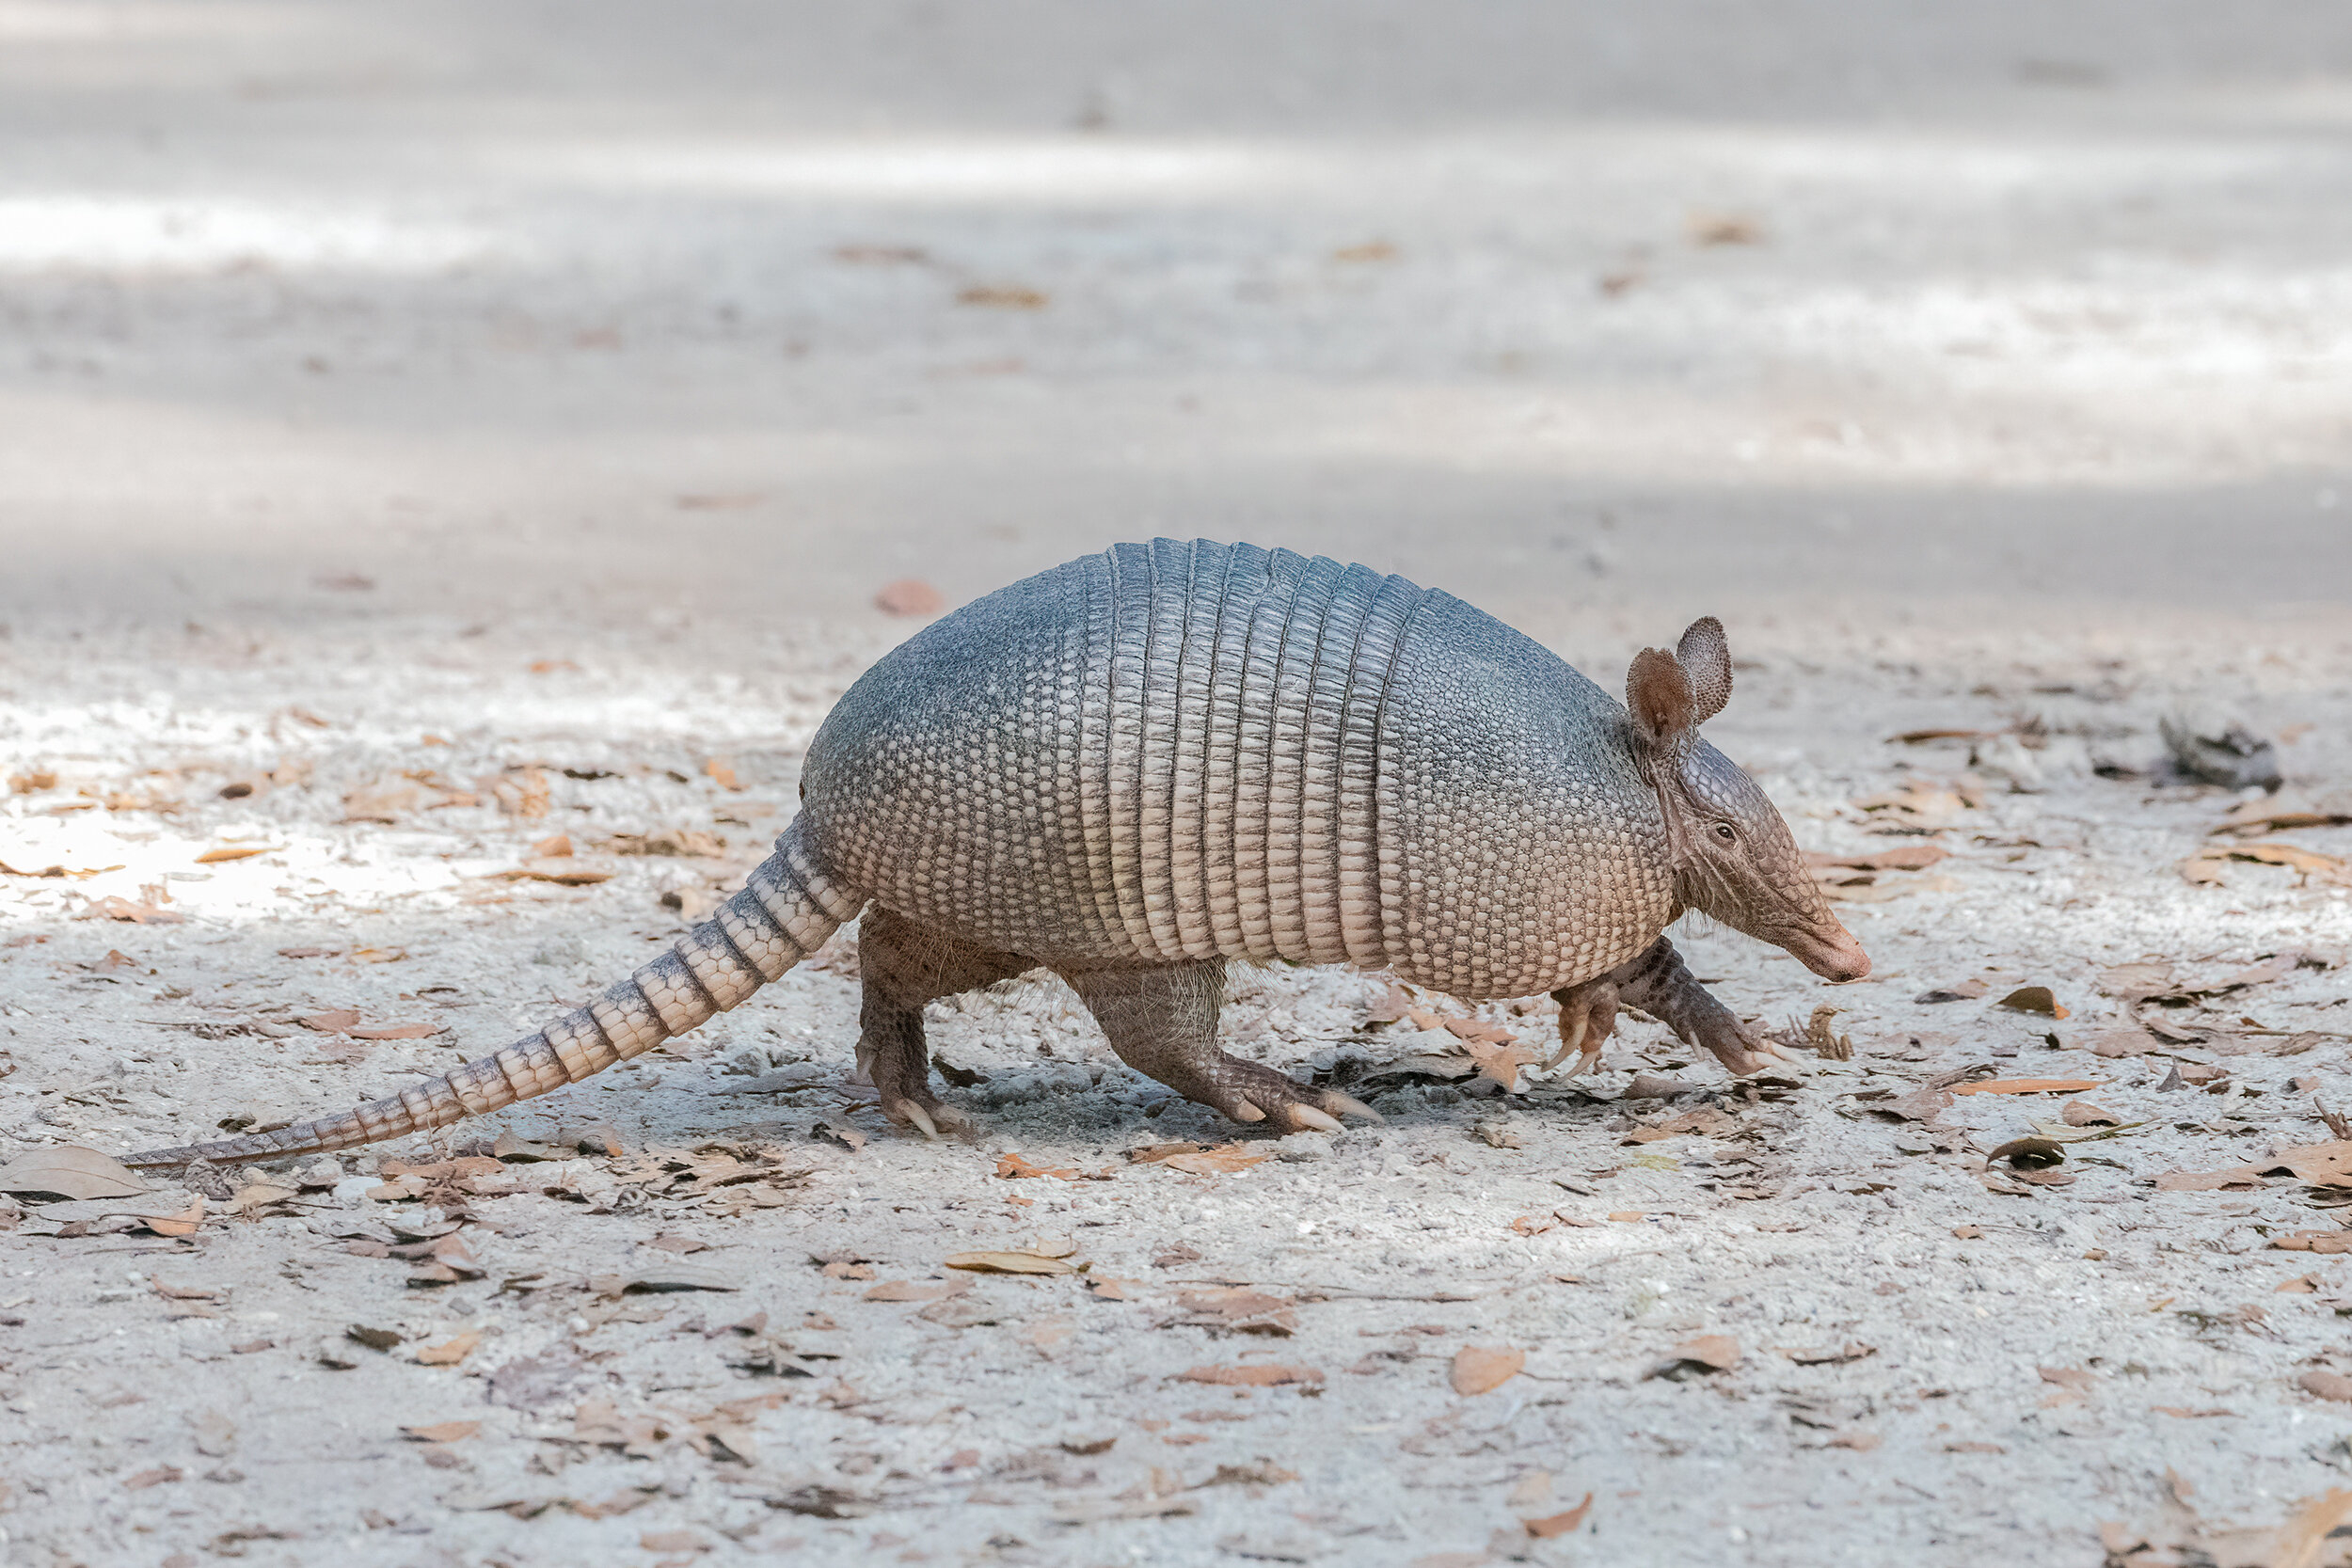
(1141, 766)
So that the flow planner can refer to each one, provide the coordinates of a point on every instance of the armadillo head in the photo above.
(1734, 858)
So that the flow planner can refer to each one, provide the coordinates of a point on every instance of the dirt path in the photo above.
(451, 428)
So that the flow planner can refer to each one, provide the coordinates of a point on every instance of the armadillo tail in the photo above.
(786, 909)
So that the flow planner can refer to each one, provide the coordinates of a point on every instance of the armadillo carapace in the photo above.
(1139, 766)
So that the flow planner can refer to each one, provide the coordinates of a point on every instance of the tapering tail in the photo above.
(786, 909)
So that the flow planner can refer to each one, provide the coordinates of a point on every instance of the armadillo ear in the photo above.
(1706, 658)
(1658, 693)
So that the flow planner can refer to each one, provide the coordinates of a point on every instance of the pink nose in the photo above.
(1834, 954)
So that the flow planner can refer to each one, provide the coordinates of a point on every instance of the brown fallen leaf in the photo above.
(1013, 1168)
(1000, 296)
(1008, 1262)
(1223, 1160)
(1260, 1376)
(2034, 999)
(1850, 1352)
(2322, 1242)
(1721, 229)
(1714, 1353)
(441, 1432)
(909, 1289)
(1481, 1368)
(235, 852)
(2081, 1113)
(160, 1476)
(332, 1022)
(1558, 1524)
(2203, 868)
(1969, 1232)
(1238, 1310)
(73, 1171)
(909, 596)
(111, 908)
(1860, 1442)
(1502, 1063)
(2075, 1378)
(2183, 1414)
(2327, 1385)
(560, 872)
(2026, 1085)
(449, 1352)
(397, 1032)
(1974, 1448)
(672, 1541)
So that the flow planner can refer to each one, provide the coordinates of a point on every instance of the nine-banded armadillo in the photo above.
(1139, 766)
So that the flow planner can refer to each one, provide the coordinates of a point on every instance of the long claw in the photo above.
(908, 1110)
(1347, 1105)
(1572, 1039)
(1308, 1116)
(1243, 1111)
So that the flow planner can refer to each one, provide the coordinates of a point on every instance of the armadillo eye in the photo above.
(1724, 831)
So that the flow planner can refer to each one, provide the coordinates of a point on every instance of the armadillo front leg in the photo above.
(1162, 1021)
(1656, 982)
(903, 965)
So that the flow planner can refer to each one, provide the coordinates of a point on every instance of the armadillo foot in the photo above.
(908, 1111)
(1348, 1105)
(1305, 1117)
(1243, 1111)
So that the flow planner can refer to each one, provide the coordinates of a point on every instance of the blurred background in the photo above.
(2004, 312)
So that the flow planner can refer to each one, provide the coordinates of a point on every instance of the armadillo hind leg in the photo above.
(903, 964)
(1656, 981)
(786, 909)
(1162, 1021)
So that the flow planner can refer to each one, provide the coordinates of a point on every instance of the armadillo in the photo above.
(1142, 766)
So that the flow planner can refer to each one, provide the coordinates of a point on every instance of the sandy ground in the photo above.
(450, 429)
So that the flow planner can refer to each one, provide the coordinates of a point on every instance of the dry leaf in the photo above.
(111, 908)
(2033, 999)
(2327, 1385)
(397, 1032)
(1008, 1262)
(562, 872)
(1850, 1352)
(909, 596)
(1262, 1375)
(2076, 1378)
(73, 1171)
(1558, 1524)
(235, 852)
(449, 1352)
(1015, 1166)
(441, 1432)
(1191, 1158)
(2026, 1085)
(156, 1476)
(1709, 1353)
(1482, 1369)
(908, 1289)
(333, 1022)
(722, 773)
(2323, 1242)
(999, 296)
(2205, 866)
(2081, 1113)
(1239, 1309)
